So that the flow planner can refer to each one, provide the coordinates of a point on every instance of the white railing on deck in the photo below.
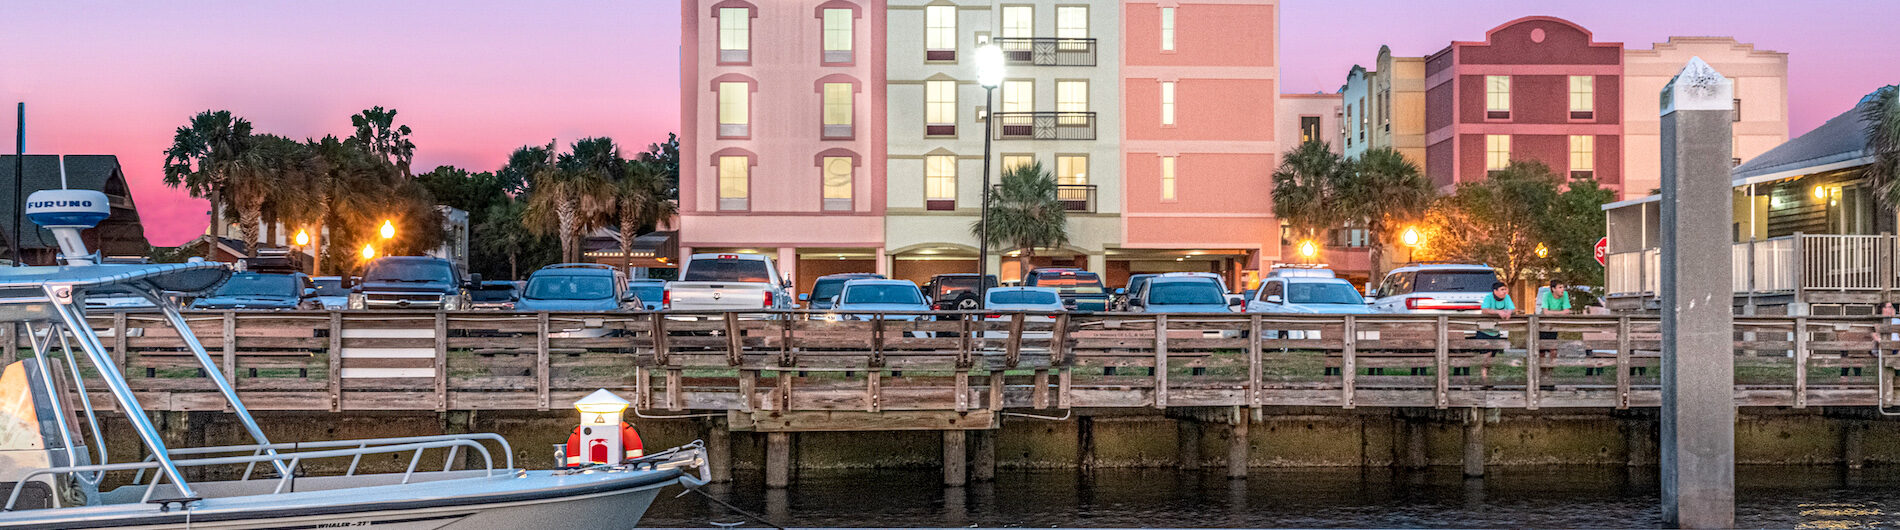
(1778, 265)
(1841, 262)
(1774, 265)
(1622, 273)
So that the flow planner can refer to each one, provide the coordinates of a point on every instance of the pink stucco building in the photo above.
(782, 118)
(1536, 88)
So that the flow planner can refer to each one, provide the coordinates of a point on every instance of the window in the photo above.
(1167, 29)
(940, 33)
(837, 110)
(1072, 100)
(1167, 178)
(837, 181)
(1497, 97)
(940, 182)
(735, 108)
(735, 175)
(1497, 151)
(940, 108)
(1583, 156)
(1349, 237)
(735, 35)
(1167, 103)
(1737, 114)
(1583, 98)
(1309, 129)
(1364, 122)
(1014, 161)
(837, 36)
(1019, 22)
(1385, 110)
(1072, 170)
(1019, 96)
(1072, 22)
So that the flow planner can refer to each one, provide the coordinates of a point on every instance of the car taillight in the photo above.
(992, 317)
(768, 299)
(666, 299)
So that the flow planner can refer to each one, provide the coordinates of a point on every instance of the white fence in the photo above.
(1783, 264)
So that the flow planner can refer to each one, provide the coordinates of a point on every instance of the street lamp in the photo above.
(303, 238)
(989, 74)
(1542, 251)
(369, 252)
(389, 229)
(1412, 240)
(1308, 250)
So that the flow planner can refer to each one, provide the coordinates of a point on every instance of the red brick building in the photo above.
(1536, 88)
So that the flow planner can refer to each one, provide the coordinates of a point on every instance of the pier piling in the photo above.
(778, 460)
(954, 458)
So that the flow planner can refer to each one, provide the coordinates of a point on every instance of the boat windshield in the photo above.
(260, 285)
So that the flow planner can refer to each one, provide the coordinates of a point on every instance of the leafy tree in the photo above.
(1025, 213)
(202, 154)
(501, 234)
(1881, 110)
(1304, 186)
(640, 202)
(366, 190)
(517, 176)
(570, 198)
(377, 132)
(267, 172)
(1571, 230)
(1383, 192)
(1501, 220)
(667, 157)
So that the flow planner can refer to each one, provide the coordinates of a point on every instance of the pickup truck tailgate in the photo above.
(719, 295)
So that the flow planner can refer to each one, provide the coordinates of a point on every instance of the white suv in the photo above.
(1434, 288)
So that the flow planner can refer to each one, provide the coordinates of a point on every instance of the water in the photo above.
(1542, 497)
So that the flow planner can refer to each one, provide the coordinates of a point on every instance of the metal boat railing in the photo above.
(259, 449)
(287, 460)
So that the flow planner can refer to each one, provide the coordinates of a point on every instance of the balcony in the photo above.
(1079, 198)
(1807, 268)
(1044, 125)
(1048, 51)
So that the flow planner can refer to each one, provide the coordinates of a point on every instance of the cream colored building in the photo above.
(1761, 99)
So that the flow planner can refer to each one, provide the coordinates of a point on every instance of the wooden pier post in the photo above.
(1238, 445)
(1474, 442)
(955, 470)
(1187, 442)
(778, 460)
(719, 450)
(983, 463)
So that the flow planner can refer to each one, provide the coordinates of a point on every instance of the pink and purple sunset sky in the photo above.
(477, 78)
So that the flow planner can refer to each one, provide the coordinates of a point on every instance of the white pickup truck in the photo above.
(728, 282)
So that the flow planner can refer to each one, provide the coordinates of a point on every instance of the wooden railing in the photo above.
(951, 361)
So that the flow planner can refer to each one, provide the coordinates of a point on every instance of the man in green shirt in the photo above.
(1556, 301)
(1498, 303)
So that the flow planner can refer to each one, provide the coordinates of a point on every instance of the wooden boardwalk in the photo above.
(803, 367)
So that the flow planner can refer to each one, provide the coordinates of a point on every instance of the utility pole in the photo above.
(19, 194)
(1698, 358)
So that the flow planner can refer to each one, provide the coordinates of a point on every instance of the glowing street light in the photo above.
(303, 238)
(1308, 250)
(369, 251)
(1542, 251)
(1411, 237)
(989, 74)
(389, 229)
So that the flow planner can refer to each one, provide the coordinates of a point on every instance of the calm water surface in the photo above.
(1545, 497)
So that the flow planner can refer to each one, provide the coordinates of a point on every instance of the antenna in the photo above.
(62, 173)
(66, 213)
(19, 176)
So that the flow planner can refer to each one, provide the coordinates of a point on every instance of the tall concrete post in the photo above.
(1698, 363)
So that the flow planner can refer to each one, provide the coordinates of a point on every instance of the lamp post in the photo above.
(989, 74)
(1412, 240)
(1308, 251)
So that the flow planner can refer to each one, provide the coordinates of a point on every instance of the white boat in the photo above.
(50, 434)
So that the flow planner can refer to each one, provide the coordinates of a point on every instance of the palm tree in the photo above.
(517, 176)
(501, 234)
(1882, 114)
(640, 201)
(202, 153)
(575, 194)
(377, 132)
(1303, 188)
(1382, 191)
(1025, 213)
(265, 173)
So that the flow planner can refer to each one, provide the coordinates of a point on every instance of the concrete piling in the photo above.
(1187, 436)
(1237, 449)
(1474, 443)
(955, 467)
(778, 460)
(983, 461)
(719, 450)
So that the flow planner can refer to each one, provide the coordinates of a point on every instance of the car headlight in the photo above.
(452, 302)
(358, 301)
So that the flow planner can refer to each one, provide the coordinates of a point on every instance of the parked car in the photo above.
(332, 294)
(650, 291)
(829, 285)
(1183, 294)
(954, 291)
(1310, 291)
(412, 282)
(261, 291)
(1434, 288)
(728, 282)
(1082, 287)
(1027, 299)
(865, 298)
(576, 287)
(494, 296)
(1127, 293)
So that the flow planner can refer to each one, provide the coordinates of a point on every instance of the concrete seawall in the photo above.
(1135, 438)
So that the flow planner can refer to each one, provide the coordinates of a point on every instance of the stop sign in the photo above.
(1602, 250)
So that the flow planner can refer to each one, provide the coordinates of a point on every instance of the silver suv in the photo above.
(1434, 288)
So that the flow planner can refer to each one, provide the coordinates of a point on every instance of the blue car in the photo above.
(1182, 294)
(262, 291)
(651, 292)
(577, 287)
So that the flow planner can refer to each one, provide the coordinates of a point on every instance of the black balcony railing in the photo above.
(1045, 125)
(1047, 51)
(1074, 197)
